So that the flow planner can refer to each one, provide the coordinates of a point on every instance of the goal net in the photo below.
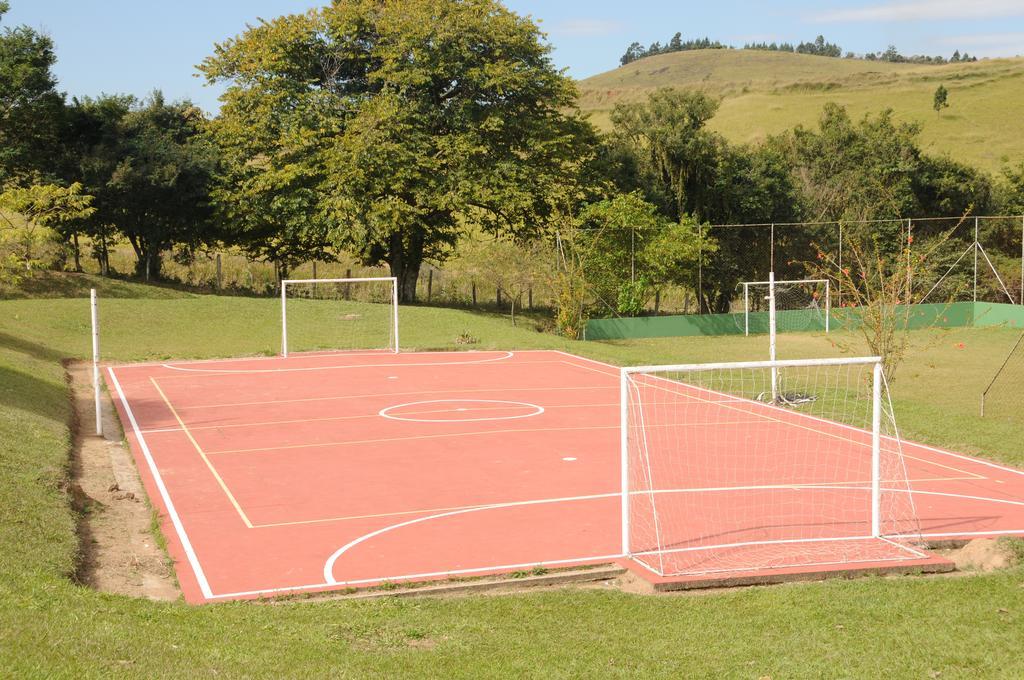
(339, 315)
(801, 305)
(1001, 398)
(721, 477)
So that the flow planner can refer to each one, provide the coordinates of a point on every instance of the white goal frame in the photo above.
(291, 282)
(876, 423)
(746, 298)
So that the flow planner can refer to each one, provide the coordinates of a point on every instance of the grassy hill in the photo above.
(764, 93)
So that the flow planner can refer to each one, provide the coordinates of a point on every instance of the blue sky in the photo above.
(133, 46)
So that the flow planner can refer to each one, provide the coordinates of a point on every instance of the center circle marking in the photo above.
(423, 415)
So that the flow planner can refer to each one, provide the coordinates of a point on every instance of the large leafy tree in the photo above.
(665, 143)
(30, 106)
(150, 168)
(383, 127)
(93, 150)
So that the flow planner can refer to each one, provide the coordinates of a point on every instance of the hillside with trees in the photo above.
(765, 92)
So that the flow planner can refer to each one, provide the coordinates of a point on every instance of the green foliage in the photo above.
(1011, 189)
(150, 168)
(625, 250)
(30, 106)
(856, 170)
(390, 124)
(673, 152)
(29, 219)
(663, 148)
(941, 99)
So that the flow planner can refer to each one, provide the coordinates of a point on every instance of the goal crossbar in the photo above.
(393, 316)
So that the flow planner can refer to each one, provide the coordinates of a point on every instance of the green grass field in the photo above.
(967, 626)
(768, 92)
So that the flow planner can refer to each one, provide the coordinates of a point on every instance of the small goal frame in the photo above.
(292, 282)
(769, 284)
(876, 424)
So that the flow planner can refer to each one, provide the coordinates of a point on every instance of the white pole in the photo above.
(771, 334)
(840, 292)
(828, 303)
(284, 319)
(976, 258)
(394, 309)
(624, 456)
(746, 309)
(1021, 298)
(96, 361)
(876, 450)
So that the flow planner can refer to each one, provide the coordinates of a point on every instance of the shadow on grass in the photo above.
(32, 349)
(71, 285)
(23, 391)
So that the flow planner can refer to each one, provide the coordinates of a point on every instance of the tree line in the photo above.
(393, 133)
(818, 47)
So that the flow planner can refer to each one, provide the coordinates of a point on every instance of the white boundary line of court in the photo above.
(179, 528)
(250, 371)
(307, 355)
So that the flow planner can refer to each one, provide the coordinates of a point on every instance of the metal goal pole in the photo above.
(624, 456)
(772, 335)
(876, 450)
(284, 319)
(746, 309)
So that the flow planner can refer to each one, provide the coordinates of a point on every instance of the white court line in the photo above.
(304, 355)
(341, 367)
(595, 559)
(367, 416)
(536, 411)
(374, 395)
(179, 528)
(329, 564)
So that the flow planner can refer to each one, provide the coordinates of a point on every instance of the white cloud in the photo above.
(924, 10)
(587, 28)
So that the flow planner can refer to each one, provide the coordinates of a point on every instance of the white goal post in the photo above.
(720, 474)
(791, 297)
(359, 296)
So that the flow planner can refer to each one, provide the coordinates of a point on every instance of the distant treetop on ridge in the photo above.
(818, 47)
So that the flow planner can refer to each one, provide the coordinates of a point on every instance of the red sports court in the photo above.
(317, 472)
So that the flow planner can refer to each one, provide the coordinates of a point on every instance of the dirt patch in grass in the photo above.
(985, 554)
(120, 548)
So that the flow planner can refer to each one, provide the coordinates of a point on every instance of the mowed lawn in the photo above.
(963, 626)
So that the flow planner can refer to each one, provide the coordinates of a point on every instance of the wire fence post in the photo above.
(976, 244)
(94, 313)
(1021, 298)
(910, 270)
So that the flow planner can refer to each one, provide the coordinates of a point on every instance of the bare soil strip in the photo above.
(120, 551)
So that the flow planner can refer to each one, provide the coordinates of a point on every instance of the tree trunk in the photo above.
(77, 252)
(405, 257)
